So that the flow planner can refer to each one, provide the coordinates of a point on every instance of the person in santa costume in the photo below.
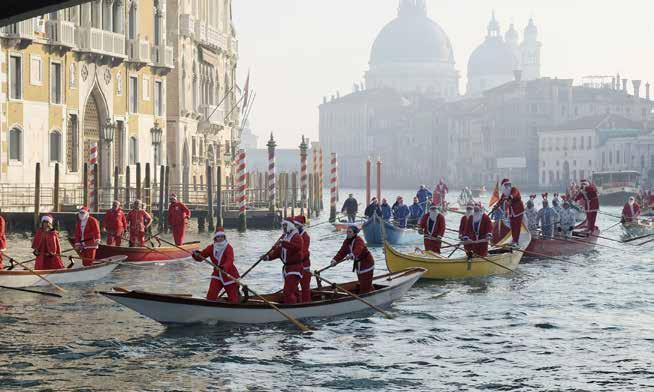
(46, 246)
(464, 219)
(514, 208)
(478, 233)
(354, 248)
(87, 236)
(432, 227)
(305, 282)
(178, 216)
(631, 211)
(139, 220)
(440, 192)
(290, 250)
(3, 240)
(222, 255)
(114, 224)
(588, 198)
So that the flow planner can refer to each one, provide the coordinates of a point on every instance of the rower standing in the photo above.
(464, 219)
(178, 216)
(567, 219)
(589, 199)
(354, 248)
(305, 282)
(222, 255)
(401, 213)
(531, 214)
(423, 195)
(139, 220)
(630, 211)
(440, 192)
(478, 233)
(514, 208)
(547, 219)
(87, 236)
(46, 246)
(350, 208)
(372, 209)
(416, 212)
(386, 211)
(432, 226)
(114, 223)
(290, 250)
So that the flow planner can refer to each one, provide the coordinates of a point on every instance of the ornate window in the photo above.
(133, 150)
(16, 145)
(55, 146)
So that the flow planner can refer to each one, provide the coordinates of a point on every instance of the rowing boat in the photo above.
(441, 267)
(182, 309)
(638, 228)
(372, 231)
(344, 224)
(144, 255)
(100, 269)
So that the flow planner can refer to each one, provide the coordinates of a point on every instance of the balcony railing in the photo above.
(22, 30)
(215, 117)
(162, 56)
(61, 32)
(101, 41)
(214, 38)
(186, 25)
(138, 50)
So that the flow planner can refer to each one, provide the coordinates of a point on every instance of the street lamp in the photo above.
(109, 131)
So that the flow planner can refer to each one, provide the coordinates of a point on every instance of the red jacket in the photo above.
(483, 231)
(224, 260)
(433, 229)
(462, 225)
(289, 251)
(138, 220)
(630, 213)
(3, 238)
(178, 213)
(306, 242)
(588, 198)
(356, 247)
(47, 242)
(91, 235)
(115, 222)
(439, 193)
(513, 205)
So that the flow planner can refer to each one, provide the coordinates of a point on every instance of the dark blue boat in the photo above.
(372, 231)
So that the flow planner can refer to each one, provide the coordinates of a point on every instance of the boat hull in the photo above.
(616, 197)
(145, 255)
(637, 229)
(21, 278)
(561, 247)
(174, 310)
(442, 268)
(372, 231)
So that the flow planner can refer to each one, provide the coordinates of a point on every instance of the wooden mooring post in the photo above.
(96, 188)
(162, 184)
(138, 181)
(128, 184)
(167, 196)
(116, 183)
(219, 196)
(85, 184)
(55, 196)
(210, 198)
(146, 188)
(37, 195)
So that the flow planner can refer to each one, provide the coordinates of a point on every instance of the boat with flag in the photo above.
(376, 231)
(176, 309)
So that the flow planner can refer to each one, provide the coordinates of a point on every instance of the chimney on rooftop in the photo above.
(624, 85)
(617, 82)
(636, 84)
(517, 74)
(647, 87)
(613, 83)
(324, 99)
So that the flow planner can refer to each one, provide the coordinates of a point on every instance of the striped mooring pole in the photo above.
(303, 176)
(271, 173)
(242, 191)
(93, 177)
(333, 183)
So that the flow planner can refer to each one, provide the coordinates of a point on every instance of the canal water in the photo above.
(582, 325)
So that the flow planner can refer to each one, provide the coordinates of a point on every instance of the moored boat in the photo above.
(148, 255)
(638, 228)
(375, 234)
(615, 187)
(22, 278)
(179, 309)
(441, 267)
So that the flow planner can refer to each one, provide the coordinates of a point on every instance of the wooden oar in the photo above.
(290, 318)
(611, 227)
(31, 291)
(637, 238)
(611, 215)
(440, 295)
(43, 278)
(351, 294)
(579, 241)
(543, 256)
(605, 238)
(646, 242)
(484, 258)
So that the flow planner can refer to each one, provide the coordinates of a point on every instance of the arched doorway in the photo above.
(94, 118)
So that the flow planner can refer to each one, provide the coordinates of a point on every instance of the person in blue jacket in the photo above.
(423, 195)
(401, 213)
(416, 211)
(386, 210)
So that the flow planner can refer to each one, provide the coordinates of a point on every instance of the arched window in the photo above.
(55, 146)
(131, 19)
(133, 150)
(16, 145)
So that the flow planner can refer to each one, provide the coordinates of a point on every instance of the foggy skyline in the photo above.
(299, 51)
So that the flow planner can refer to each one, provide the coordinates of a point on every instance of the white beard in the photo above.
(219, 249)
(476, 217)
(433, 215)
(506, 191)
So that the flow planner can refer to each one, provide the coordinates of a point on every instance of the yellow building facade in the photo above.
(88, 75)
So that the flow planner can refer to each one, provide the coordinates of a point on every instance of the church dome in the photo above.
(493, 56)
(412, 38)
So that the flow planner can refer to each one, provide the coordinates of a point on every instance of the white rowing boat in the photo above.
(181, 309)
(22, 278)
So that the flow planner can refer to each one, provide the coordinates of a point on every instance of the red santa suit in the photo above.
(588, 198)
(138, 220)
(476, 230)
(631, 212)
(222, 255)
(440, 192)
(514, 209)
(305, 282)
(290, 250)
(47, 249)
(87, 238)
(3, 239)
(115, 223)
(433, 231)
(364, 263)
(178, 215)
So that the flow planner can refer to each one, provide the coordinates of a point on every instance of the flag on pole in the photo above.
(495, 197)
(246, 93)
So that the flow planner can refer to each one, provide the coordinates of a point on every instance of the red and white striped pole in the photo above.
(242, 190)
(303, 176)
(315, 207)
(93, 159)
(272, 189)
(333, 185)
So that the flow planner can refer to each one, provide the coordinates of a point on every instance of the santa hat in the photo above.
(47, 218)
(433, 207)
(556, 195)
(532, 196)
(299, 220)
(505, 182)
(173, 196)
(83, 209)
(289, 222)
(585, 182)
(355, 229)
(470, 205)
(220, 232)
(545, 195)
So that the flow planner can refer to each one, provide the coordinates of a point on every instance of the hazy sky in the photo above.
(301, 50)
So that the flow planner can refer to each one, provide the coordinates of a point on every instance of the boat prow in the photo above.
(181, 310)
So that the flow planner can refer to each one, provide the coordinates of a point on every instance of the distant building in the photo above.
(249, 140)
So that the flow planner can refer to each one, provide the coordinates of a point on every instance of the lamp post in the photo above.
(108, 134)
(156, 133)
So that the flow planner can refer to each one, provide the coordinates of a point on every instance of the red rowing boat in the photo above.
(148, 255)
